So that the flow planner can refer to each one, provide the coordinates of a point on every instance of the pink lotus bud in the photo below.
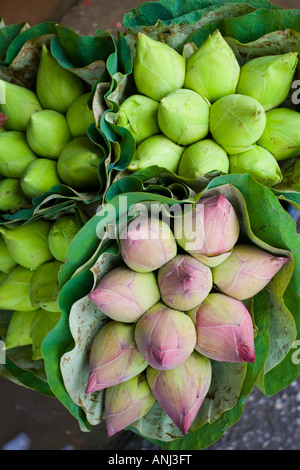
(147, 244)
(184, 282)
(126, 403)
(209, 230)
(224, 329)
(114, 357)
(246, 271)
(181, 391)
(165, 337)
(124, 295)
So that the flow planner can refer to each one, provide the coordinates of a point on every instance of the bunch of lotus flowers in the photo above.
(202, 112)
(174, 305)
(43, 138)
(30, 259)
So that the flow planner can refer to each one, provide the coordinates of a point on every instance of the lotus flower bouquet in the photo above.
(170, 301)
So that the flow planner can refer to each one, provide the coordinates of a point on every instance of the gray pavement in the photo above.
(30, 421)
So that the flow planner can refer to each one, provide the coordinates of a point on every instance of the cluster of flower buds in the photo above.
(172, 307)
(43, 139)
(202, 111)
(31, 256)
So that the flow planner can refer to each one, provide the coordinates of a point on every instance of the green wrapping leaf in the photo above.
(220, 410)
(178, 12)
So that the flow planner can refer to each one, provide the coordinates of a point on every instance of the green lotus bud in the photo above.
(43, 322)
(281, 136)
(77, 164)
(61, 234)
(184, 282)
(158, 69)
(157, 150)
(138, 114)
(114, 356)
(202, 158)
(237, 122)
(147, 244)
(124, 295)
(48, 133)
(80, 116)
(15, 154)
(28, 243)
(7, 263)
(246, 271)
(268, 79)
(165, 337)
(15, 290)
(56, 87)
(212, 70)
(39, 177)
(181, 391)
(20, 104)
(259, 163)
(126, 403)
(12, 197)
(183, 116)
(19, 329)
(44, 287)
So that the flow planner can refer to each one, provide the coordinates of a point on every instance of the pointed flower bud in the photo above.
(268, 79)
(61, 234)
(156, 150)
(224, 329)
(202, 158)
(48, 133)
(28, 243)
(165, 337)
(20, 104)
(114, 357)
(79, 116)
(126, 403)
(138, 114)
(56, 87)
(184, 282)
(158, 69)
(183, 116)
(15, 154)
(246, 271)
(213, 71)
(39, 177)
(181, 391)
(281, 135)
(147, 244)
(211, 229)
(44, 287)
(12, 197)
(15, 290)
(259, 163)
(124, 295)
(237, 122)
(78, 163)
(7, 262)
(3, 119)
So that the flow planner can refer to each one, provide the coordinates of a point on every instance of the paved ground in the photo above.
(31, 421)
